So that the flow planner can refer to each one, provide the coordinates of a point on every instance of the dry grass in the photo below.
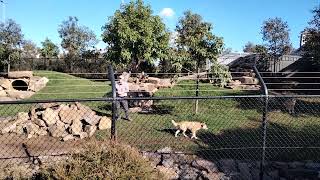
(100, 161)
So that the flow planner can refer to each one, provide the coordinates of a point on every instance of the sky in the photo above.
(237, 21)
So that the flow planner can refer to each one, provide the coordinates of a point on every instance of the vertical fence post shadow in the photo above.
(114, 105)
(264, 117)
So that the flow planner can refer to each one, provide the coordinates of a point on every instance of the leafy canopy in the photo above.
(275, 32)
(312, 45)
(76, 38)
(49, 49)
(196, 40)
(133, 35)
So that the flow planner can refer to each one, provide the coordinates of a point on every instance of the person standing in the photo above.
(122, 88)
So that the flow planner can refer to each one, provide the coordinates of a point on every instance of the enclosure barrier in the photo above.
(247, 136)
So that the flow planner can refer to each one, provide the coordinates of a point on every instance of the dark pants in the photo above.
(124, 104)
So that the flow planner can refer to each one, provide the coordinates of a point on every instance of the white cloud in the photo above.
(166, 12)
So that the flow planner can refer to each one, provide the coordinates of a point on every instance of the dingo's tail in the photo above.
(174, 123)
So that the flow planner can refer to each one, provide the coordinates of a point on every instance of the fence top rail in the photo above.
(110, 99)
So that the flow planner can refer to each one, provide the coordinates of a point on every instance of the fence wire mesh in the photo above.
(34, 134)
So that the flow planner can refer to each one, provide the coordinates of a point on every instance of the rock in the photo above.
(83, 108)
(82, 135)
(3, 93)
(105, 123)
(244, 171)
(153, 80)
(68, 137)
(165, 150)
(6, 84)
(91, 119)
(19, 129)
(42, 131)
(90, 130)
(57, 130)
(165, 83)
(206, 165)
(47, 105)
(211, 176)
(189, 173)
(167, 161)
(274, 174)
(155, 158)
(135, 109)
(50, 116)
(19, 94)
(296, 164)
(22, 118)
(228, 166)
(32, 128)
(20, 74)
(9, 129)
(248, 80)
(39, 122)
(168, 172)
(7, 99)
(312, 165)
(68, 115)
(36, 84)
(255, 173)
(76, 127)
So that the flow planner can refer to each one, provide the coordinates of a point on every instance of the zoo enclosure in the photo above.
(244, 127)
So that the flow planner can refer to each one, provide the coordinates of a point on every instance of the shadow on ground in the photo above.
(283, 144)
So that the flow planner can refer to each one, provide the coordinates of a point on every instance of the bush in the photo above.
(220, 74)
(102, 162)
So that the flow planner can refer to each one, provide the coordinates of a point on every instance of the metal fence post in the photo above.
(114, 101)
(264, 118)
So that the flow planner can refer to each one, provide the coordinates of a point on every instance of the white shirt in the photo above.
(122, 89)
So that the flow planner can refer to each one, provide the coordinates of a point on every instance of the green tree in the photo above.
(133, 35)
(11, 38)
(275, 32)
(196, 40)
(76, 38)
(29, 49)
(49, 49)
(312, 45)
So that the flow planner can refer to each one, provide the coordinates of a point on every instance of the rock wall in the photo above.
(176, 165)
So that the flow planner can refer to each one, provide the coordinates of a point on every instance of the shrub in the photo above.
(102, 162)
(220, 74)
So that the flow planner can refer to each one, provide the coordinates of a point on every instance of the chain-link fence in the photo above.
(227, 129)
(211, 136)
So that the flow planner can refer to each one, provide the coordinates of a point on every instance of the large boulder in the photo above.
(90, 130)
(20, 74)
(3, 93)
(248, 80)
(91, 118)
(68, 115)
(37, 83)
(22, 118)
(50, 116)
(153, 80)
(6, 84)
(165, 83)
(19, 94)
(57, 130)
(105, 123)
(76, 127)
